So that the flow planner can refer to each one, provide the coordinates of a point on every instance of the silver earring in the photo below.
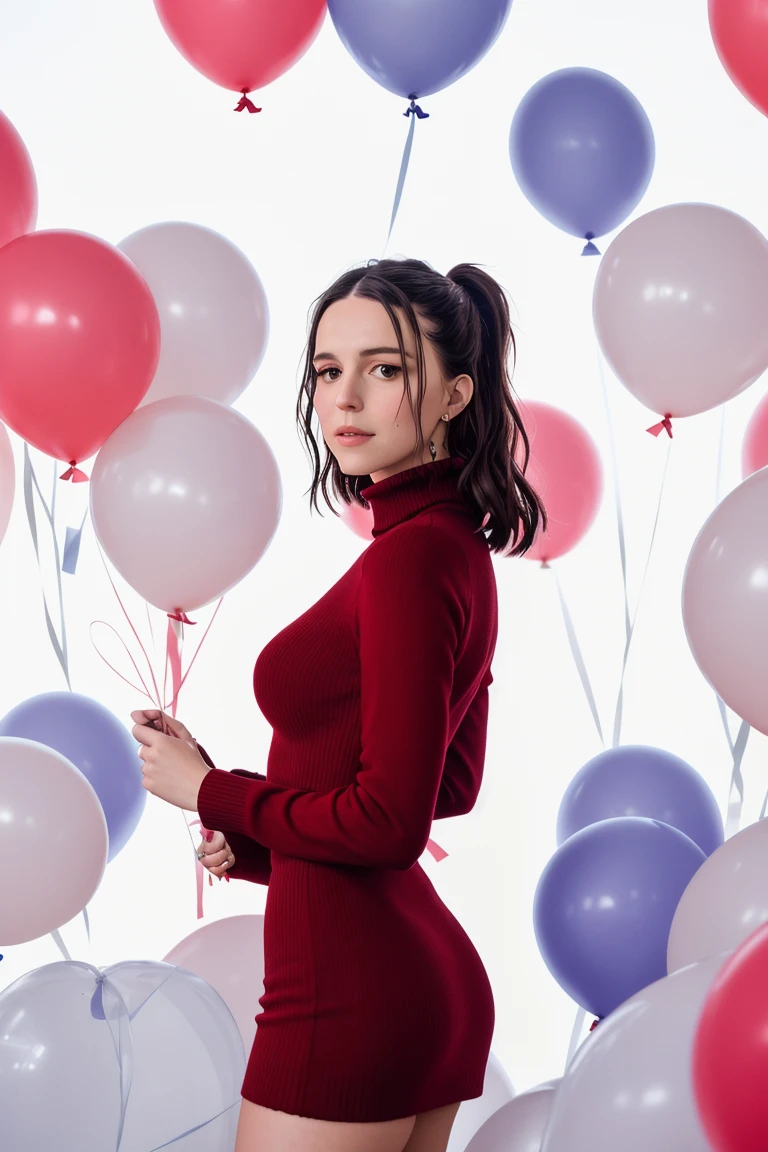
(432, 449)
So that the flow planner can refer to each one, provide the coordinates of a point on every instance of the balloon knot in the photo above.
(590, 249)
(415, 110)
(665, 423)
(545, 564)
(181, 616)
(74, 474)
(595, 1023)
(244, 103)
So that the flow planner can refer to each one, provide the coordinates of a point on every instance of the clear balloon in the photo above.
(725, 600)
(132, 1057)
(637, 780)
(18, 189)
(214, 317)
(629, 1087)
(566, 471)
(48, 805)
(7, 480)
(185, 500)
(582, 150)
(79, 341)
(604, 906)
(518, 1126)
(729, 1051)
(724, 902)
(242, 46)
(229, 955)
(679, 307)
(418, 48)
(94, 740)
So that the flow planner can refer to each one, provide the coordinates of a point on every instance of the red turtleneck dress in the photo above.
(376, 1004)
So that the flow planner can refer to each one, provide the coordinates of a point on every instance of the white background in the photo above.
(124, 133)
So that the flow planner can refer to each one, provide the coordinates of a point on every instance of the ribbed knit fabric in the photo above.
(376, 1004)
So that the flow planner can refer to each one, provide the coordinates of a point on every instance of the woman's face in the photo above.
(360, 382)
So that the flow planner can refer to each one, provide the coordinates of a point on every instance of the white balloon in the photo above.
(518, 1126)
(214, 317)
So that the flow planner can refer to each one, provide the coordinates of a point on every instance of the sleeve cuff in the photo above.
(223, 800)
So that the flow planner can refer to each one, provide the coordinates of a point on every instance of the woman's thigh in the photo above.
(432, 1130)
(265, 1130)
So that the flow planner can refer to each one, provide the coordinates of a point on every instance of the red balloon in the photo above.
(242, 44)
(79, 340)
(566, 472)
(18, 186)
(754, 450)
(730, 1051)
(740, 31)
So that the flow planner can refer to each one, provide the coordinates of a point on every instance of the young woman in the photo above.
(377, 1014)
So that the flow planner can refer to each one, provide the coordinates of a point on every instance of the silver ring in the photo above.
(200, 855)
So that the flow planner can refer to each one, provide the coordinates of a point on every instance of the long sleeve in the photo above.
(465, 758)
(253, 862)
(413, 606)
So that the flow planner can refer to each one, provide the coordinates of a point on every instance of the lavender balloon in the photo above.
(604, 906)
(637, 780)
(582, 151)
(94, 740)
(417, 48)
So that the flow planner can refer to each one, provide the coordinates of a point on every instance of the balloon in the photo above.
(229, 955)
(740, 34)
(185, 499)
(79, 340)
(47, 807)
(418, 48)
(18, 190)
(241, 46)
(472, 1114)
(604, 905)
(754, 450)
(582, 150)
(79, 1043)
(730, 1059)
(629, 1085)
(93, 739)
(7, 480)
(725, 600)
(214, 318)
(725, 901)
(636, 780)
(679, 307)
(566, 471)
(518, 1126)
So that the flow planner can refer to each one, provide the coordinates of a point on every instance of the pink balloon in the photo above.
(566, 471)
(359, 520)
(680, 305)
(725, 600)
(48, 806)
(18, 187)
(229, 955)
(242, 45)
(754, 451)
(7, 480)
(79, 340)
(185, 499)
(214, 317)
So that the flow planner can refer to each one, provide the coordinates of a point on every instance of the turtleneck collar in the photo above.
(398, 497)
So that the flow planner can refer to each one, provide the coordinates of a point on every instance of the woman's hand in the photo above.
(218, 857)
(173, 768)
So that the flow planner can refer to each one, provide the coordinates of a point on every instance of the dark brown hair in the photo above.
(471, 331)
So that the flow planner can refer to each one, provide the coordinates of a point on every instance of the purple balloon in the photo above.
(604, 907)
(637, 780)
(416, 47)
(582, 150)
(93, 739)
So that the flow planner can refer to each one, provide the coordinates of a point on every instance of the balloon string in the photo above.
(30, 479)
(737, 750)
(413, 111)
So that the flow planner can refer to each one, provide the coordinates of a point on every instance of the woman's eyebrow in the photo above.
(364, 353)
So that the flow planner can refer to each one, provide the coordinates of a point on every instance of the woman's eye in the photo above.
(392, 367)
